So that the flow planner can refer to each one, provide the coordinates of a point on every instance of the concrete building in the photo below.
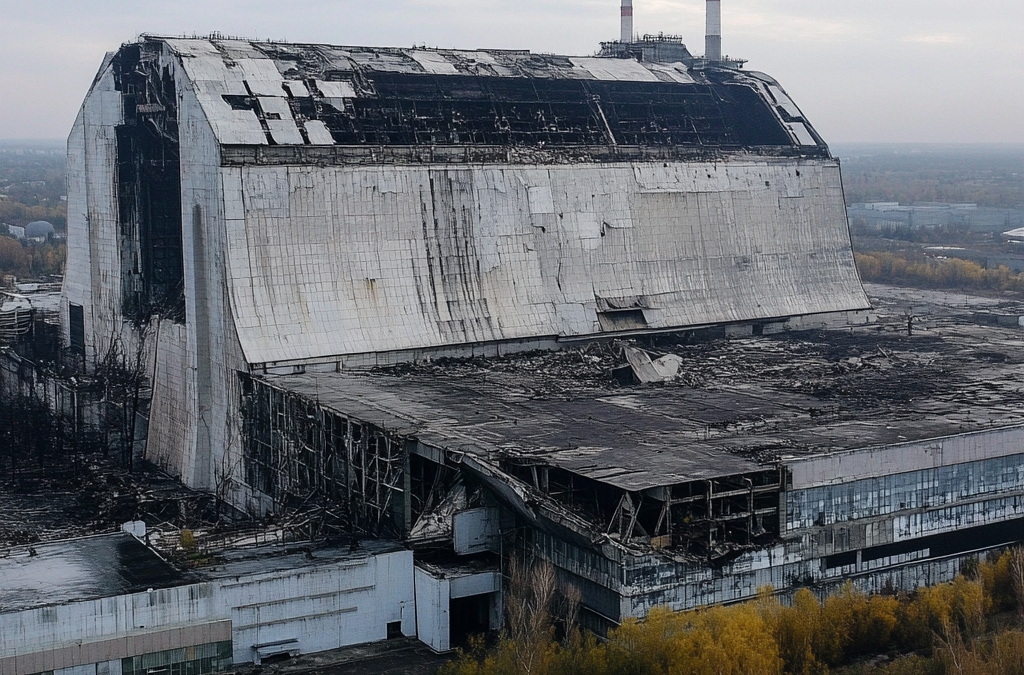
(15, 231)
(264, 208)
(66, 609)
(765, 461)
(891, 217)
(297, 236)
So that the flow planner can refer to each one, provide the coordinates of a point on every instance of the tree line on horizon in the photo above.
(903, 269)
(31, 260)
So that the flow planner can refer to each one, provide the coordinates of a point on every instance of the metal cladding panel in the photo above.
(335, 261)
(476, 530)
(625, 70)
(475, 584)
(93, 274)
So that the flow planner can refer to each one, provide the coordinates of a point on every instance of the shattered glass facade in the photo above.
(198, 660)
(298, 452)
(886, 495)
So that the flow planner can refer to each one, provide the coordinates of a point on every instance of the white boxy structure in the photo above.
(108, 605)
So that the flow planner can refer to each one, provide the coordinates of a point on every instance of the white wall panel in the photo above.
(334, 261)
(853, 465)
(325, 607)
(432, 610)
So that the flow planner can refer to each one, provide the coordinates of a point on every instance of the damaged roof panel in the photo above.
(735, 407)
(646, 447)
(419, 97)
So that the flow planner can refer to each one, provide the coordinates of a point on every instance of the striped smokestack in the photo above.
(713, 41)
(627, 21)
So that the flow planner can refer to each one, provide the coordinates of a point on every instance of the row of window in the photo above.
(198, 660)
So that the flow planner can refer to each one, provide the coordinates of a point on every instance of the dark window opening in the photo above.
(467, 617)
(841, 560)
(425, 109)
(76, 329)
(629, 319)
(394, 630)
(951, 543)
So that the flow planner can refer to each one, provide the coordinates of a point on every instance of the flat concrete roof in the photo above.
(738, 405)
(242, 561)
(80, 569)
(116, 564)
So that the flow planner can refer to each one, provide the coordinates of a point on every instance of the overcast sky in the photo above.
(862, 70)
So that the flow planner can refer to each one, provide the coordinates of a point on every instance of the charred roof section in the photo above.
(263, 94)
(458, 110)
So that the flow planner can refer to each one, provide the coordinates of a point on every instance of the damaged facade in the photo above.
(254, 208)
(288, 233)
(780, 460)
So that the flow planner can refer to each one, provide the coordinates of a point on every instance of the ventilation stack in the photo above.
(627, 22)
(713, 41)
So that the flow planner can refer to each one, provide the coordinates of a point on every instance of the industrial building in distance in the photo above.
(466, 305)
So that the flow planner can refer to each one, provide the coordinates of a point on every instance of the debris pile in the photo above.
(868, 365)
(95, 497)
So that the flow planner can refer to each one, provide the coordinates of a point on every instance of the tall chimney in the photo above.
(713, 41)
(627, 21)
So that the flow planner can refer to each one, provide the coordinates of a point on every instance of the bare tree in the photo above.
(124, 377)
(528, 608)
(571, 601)
(224, 473)
(951, 644)
(1017, 577)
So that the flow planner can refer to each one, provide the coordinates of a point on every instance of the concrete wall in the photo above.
(326, 261)
(92, 277)
(195, 437)
(435, 589)
(854, 465)
(432, 617)
(172, 426)
(323, 607)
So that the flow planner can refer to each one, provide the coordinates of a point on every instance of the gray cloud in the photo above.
(862, 70)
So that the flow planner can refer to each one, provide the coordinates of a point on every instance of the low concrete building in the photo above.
(108, 605)
(15, 231)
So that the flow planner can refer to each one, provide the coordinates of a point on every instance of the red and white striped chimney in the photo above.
(627, 21)
(713, 40)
